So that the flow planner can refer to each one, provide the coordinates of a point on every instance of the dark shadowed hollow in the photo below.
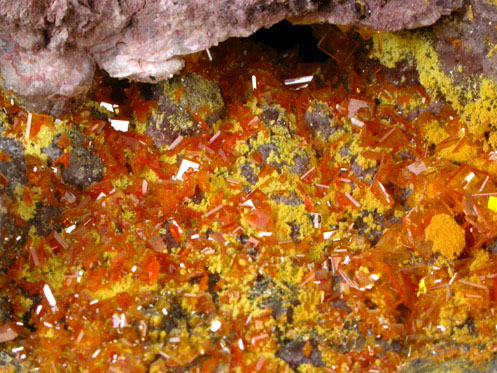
(284, 36)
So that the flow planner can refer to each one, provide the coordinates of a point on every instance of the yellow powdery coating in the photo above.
(465, 153)
(198, 92)
(447, 236)
(44, 138)
(150, 175)
(285, 215)
(477, 107)
(368, 201)
(436, 134)
(26, 210)
(126, 285)
(169, 159)
(53, 272)
(481, 260)
(121, 183)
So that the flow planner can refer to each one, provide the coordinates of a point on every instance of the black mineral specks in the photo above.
(370, 225)
(183, 102)
(5, 310)
(279, 297)
(46, 219)
(292, 352)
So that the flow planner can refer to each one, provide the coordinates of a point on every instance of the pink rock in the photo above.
(50, 48)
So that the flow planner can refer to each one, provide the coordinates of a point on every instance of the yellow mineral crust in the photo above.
(447, 236)
(435, 133)
(477, 107)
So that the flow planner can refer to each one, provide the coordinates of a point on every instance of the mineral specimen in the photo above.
(341, 222)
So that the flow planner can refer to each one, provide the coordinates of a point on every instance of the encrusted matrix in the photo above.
(255, 213)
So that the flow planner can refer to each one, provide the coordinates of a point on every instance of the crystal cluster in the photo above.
(255, 213)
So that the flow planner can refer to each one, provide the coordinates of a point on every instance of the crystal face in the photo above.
(281, 215)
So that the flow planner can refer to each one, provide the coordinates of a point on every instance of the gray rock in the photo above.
(280, 298)
(430, 365)
(318, 120)
(362, 227)
(466, 41)
(84, 168)
(53, 151)
(248, 172)
(5, 310)
(46, 219)
(168, 238)
(12, 234)
(366, 175)
(15, 168)
(301, 164)
(292, 352)
(175, 117)
(8, 363)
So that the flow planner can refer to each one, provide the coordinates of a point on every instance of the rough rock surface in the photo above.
(390, 15)
(319, 121)
(12, 235)
(13, 168)
(84, 167)
(178, 100)
(49, 49)
(468, 39)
